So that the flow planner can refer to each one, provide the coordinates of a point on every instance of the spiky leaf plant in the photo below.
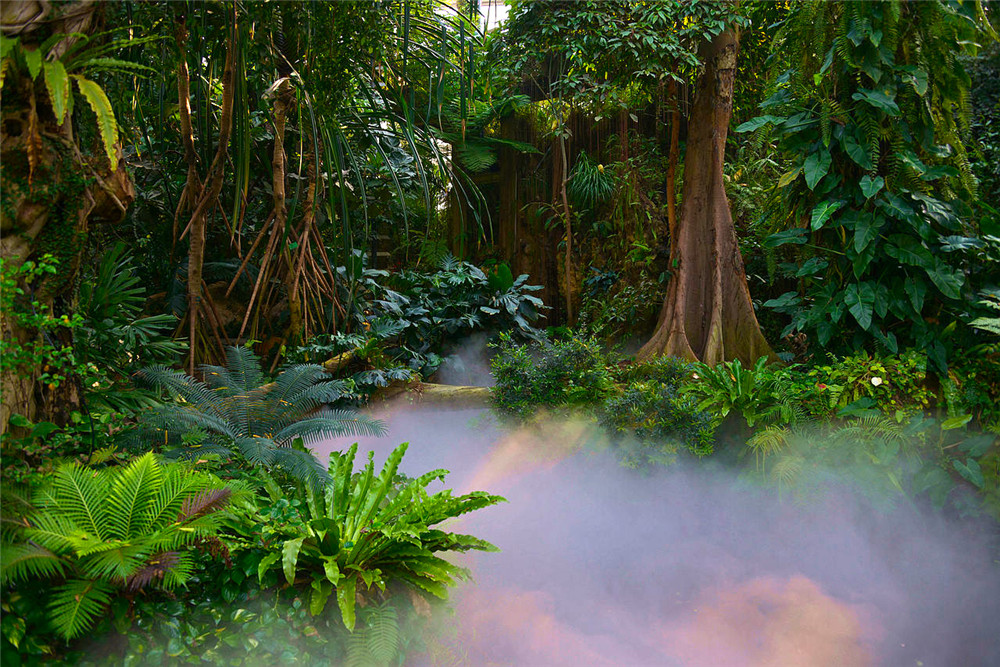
(366, 531)
(98, 532)
(236, 412)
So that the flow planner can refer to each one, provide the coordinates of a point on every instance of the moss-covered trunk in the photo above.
(51, 195)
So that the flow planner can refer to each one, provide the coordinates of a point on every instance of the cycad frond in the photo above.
(244, 368)
(77, 604)
(19, 562)
(332, 422)
(77, 492)
(131, 492)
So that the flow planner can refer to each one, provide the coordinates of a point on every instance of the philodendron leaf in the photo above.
(798, 235)
(856, 151)
(822, 212)
(883, 100)
(758, 122)
(971, 472)
(860, 300)
(870, 186)
(816, 166)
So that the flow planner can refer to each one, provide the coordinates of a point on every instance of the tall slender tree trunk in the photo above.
(203, 197)
(707, 314)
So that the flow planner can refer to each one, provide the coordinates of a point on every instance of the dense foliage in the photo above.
(228, 226)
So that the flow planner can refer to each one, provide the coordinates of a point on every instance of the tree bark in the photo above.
(207, 194)
(707, 314)
(53, 193)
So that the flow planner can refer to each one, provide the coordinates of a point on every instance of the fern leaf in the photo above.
(106, 122)
(57, 83)
(381, 632)
(155, 569)
(78, 493)
(131, 492)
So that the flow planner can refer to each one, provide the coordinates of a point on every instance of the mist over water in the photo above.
(688, 565)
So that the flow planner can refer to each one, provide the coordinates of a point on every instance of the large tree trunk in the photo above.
(52, 194)
(707, 314)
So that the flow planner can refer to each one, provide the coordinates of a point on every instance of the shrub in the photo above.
(546, 374)
(654, 416)
(896, 384)
(365, 532)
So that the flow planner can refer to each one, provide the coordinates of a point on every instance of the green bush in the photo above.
(569, 372)
(895, 383)
(235, 413)
(649, 420)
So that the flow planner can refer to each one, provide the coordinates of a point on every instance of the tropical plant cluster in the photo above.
(226, 227)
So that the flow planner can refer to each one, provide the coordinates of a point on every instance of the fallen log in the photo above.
(428, 393)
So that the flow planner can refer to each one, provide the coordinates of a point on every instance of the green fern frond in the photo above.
(106, 122)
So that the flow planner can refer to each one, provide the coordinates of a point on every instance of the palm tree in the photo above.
(234, 412)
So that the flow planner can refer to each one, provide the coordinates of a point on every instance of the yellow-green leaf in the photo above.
(57, 83)
(101, 105)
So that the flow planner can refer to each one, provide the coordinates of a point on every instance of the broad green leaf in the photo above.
(958, 243)
(265, 564)
(57, 83)
(758, 122)
(811, 267)
(816, 166)
(856, 151)
(788, 177)
(7, 45)
(346, 599)
(33, 58)
(822, 212)
(290, 557)
(955, 422)
(321, 589)
(860, 300)
(910, 159)
(869, 186)
(866, 229)
(948, 280)
(798, 235)
(916, 291)
(909, 250)
(106, 123)
(971, 471)
(883, 100)
(784, 301)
